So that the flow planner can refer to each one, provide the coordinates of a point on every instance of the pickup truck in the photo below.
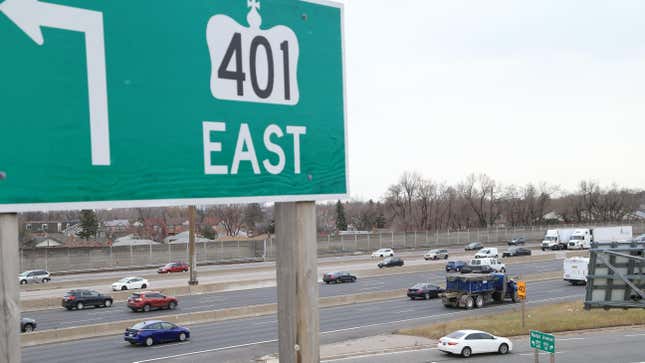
(476, 290)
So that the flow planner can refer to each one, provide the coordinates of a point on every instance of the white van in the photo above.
(479, 265)
(487, 252)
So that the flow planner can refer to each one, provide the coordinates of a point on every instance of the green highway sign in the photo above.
(542, 341)
(164, 102)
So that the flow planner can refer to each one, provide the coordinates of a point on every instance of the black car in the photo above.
(455, 266)
(516, 251)
(518, 241)
(474, 246)
(424, 291)
(338, 277)
(80, 299)
(391, 262)
(27, 325)
(481, 269)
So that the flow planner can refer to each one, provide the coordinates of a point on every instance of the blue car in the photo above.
(154, 332)
(455, 266)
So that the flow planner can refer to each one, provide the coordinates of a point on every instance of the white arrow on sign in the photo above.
(31, 15)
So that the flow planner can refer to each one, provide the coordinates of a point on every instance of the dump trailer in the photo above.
(476, 290)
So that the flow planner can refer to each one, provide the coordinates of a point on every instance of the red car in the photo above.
(149, 300)
(173, 267)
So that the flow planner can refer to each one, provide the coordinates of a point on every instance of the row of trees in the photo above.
(417, 203)
(413, 203)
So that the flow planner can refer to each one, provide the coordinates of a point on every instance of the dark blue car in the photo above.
(154, 332)
(455, 266)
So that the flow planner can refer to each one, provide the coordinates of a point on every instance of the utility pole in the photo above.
(192, 260)
(297, 277)
(9, 292)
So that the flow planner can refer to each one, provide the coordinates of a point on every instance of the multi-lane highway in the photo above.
(241, 340)
(247, 273)
(61, 318)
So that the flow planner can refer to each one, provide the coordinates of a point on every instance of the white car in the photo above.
(383, 252)
(469, 342)
(129, 283)
(487, 252)
(436, 254)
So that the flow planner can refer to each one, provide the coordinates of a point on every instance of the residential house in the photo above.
(115, 226)
(37, 227)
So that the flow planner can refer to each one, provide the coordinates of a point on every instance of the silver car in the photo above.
(34, 276)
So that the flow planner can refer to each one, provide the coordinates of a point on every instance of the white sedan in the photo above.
(129, 283)
(383, 252)
(469, 342)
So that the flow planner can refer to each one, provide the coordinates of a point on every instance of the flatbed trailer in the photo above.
(476, 290)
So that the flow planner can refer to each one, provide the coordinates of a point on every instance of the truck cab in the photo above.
(551, 239)
(580, 239)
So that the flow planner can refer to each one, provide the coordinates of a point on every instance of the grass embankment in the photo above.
(547, 318)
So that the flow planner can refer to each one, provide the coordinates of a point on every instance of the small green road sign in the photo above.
(542, 341)
(167, 102)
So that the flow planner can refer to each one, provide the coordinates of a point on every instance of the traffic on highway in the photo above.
(427, 279)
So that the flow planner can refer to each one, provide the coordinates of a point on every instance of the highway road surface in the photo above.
(602, 346)
(61, 318)
(220, 274)
(242, 340)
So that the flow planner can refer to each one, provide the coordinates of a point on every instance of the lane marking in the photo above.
(406, 311)
(562, 339)
(265, 323)
(634, 335)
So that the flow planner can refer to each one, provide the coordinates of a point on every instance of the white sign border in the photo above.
(152, 203)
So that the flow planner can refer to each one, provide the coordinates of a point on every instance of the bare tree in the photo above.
(231, 218)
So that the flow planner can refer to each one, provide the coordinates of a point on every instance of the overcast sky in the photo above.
(525, 91)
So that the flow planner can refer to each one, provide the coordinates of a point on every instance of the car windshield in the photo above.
(387, 260)
(419, 286)
(577, 238)
(125, 279)
(456, 335)
(24, 273)
(169, 265)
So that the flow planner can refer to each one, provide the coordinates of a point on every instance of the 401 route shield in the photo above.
(147, 103)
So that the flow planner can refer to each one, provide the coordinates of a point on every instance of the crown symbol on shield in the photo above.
(253, 17)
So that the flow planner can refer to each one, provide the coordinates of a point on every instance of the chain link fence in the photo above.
(57, 259)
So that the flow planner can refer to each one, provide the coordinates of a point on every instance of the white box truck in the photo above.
(583, 237)
(557, 239)
(576, 270)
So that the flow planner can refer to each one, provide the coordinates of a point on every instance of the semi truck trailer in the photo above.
(583, 237)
